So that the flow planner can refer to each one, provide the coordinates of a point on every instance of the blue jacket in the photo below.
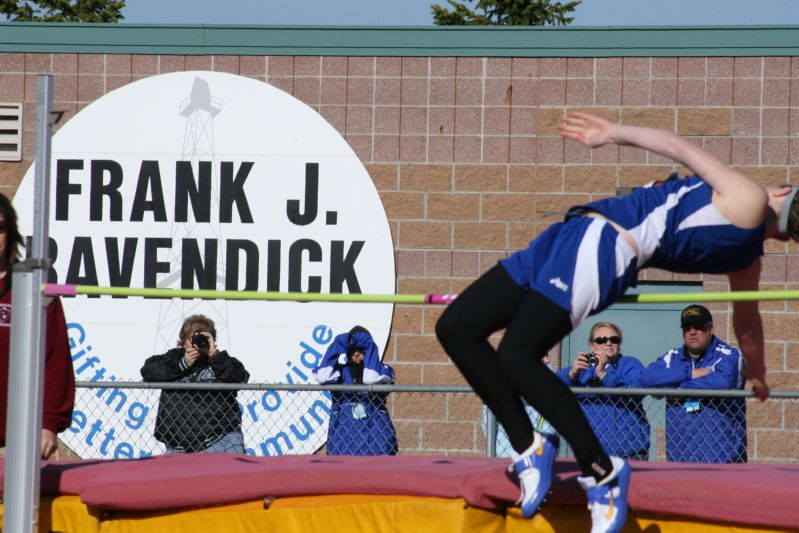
(619, 422)
(702, 430)
(359, 421)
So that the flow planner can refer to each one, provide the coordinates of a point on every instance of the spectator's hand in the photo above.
(49, 443)
(580, 364)
(603, 360)
(700, 372)
(212, 350)
(192, 355)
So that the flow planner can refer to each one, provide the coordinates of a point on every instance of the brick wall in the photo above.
(466, 157)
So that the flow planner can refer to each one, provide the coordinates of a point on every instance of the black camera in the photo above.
(593, 360)
(199, 340)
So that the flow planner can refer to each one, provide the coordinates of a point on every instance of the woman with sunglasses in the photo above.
(619, 422)
(713, 222)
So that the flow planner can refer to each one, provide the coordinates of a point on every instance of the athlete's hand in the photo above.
(757, 381)
(588, 129)
(759, 388)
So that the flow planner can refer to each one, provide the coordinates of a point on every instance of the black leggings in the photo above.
(501, 377)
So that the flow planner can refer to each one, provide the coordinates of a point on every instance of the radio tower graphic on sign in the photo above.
(199, 108)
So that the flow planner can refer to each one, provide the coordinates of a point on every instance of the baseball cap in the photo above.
(695, 315)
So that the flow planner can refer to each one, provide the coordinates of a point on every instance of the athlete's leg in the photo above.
(463, 330)
(536, 326)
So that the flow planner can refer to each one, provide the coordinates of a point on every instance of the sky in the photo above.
(417, 12)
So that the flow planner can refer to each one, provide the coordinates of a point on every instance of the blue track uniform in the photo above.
(702, 430)
(359, 421)
(583, 265)
(619, 422)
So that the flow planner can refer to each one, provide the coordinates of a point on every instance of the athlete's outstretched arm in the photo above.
(742, 200)
(748, 327)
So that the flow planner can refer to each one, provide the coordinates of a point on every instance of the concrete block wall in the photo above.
(465, 154)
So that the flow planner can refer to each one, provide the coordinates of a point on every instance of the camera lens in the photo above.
(199, 340)
(593, 359)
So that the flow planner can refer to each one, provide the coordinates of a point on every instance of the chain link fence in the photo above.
(114, 420)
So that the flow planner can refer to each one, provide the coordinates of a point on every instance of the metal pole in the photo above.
(491, 433)
(26, 355)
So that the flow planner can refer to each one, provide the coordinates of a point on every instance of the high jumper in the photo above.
(712, 222)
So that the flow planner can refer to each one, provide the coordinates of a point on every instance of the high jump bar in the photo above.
(54, 289)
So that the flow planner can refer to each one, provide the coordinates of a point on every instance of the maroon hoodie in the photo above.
(59, 377)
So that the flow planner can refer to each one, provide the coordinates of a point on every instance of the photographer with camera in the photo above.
(619, 422)
(194, 420)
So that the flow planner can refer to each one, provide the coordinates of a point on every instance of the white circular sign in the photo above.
(207, 180)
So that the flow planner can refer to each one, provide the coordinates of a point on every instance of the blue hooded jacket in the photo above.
(359, 421)
(702, 430)
(619, 422)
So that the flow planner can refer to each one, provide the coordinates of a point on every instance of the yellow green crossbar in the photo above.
(53, 289)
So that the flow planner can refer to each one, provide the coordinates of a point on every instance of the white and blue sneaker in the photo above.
(534, 467)
(607, 499)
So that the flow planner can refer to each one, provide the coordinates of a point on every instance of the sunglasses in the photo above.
(613, 340)
(703, 327)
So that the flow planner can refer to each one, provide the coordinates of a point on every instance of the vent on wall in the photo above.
(10, 132)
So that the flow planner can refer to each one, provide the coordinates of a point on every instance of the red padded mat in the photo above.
(754, 494)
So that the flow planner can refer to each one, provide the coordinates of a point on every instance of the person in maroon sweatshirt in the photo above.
(59, 377)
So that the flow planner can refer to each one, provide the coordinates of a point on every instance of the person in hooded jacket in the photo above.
(359, 420)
